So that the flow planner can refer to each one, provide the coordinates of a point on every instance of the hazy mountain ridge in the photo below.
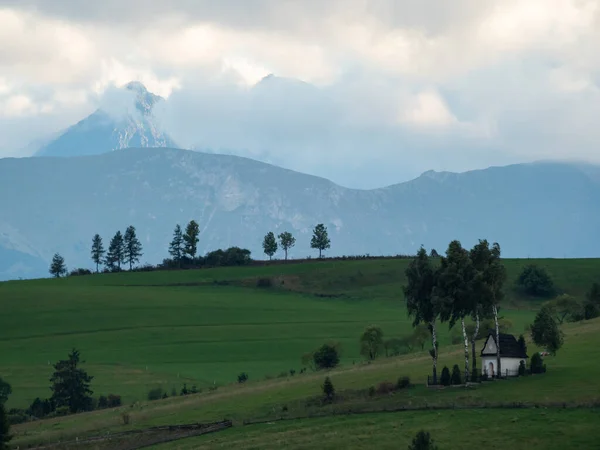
(543, 210)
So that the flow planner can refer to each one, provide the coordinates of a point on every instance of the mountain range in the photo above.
(51, 204)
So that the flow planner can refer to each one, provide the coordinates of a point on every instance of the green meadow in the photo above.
(137, 331)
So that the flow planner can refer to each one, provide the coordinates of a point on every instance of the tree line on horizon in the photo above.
(126, 249)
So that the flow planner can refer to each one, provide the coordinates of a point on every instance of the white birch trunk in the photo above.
(466, 340)
(498, 365)
(435, 355)
(473, 341)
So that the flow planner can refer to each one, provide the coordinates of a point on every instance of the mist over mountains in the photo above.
(50, 204)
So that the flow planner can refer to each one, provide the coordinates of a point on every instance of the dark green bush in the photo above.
(422, 441)
(242, 377)
(403, 383)
(522, 368)
(445, 378)
(155, 394)
(456, 378)
(264, 283)
(386, 387)
(328, 390)
(537, 364)
(535, 281)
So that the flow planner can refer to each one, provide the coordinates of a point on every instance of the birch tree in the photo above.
(454, 291)
(418, 293)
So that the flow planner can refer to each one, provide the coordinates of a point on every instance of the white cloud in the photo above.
(409, 85)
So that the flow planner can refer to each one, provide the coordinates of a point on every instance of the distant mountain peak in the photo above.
(145, 100)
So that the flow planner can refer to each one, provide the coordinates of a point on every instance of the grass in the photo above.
(141, 330)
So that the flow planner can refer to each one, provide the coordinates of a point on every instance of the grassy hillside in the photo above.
(140, 330)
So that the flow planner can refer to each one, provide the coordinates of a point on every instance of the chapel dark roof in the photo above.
(509, 347)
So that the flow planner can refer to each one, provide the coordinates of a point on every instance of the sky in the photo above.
(365, 93)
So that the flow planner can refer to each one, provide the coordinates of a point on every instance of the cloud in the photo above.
(387, 88)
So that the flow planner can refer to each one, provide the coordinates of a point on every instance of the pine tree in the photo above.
(97, 251)
(328, 389)
(132, 247)
(287, 241)
(116, 251)
(71, 385)
(270, 245)
(176, 245)
(190, 238)
(320, 239)
(57, 267)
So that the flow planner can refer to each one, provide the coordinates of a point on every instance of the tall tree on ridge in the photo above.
(97, 251)
(320, 239)
(132, 247)
(176, 245)
(287, 241)
(454, 291)
(421, 280)
(116, 251)
(190, 238)
(270, 245)
(57, 267)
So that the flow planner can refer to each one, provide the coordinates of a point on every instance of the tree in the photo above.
(71, 385)
(455, 378)
(371, 342)
(328, 389)
(190, 239)
(564, 307)
(5, 390)
(320, 239)
(5, 436)
(591, 306)
(97, 251)
(422, 441)
(418, 293)
(445, 379)
(420, 335)
(535, 281)
(116, 252)
(454, 291)
(522, 344)
(287, 241)
(176, 245)
(132, 247)
(326, 357)
(270, 245)
(545, 331)
(433, 253)
(57, 267)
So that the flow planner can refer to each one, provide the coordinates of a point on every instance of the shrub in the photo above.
(242, 377)
(17, 416)
(264, 283)
(155, 394)
(194, 389)
(403, 383)
(422, 441)
(536, 281)
(456, 379)
(102, 402)
(537, 364)
(114, 401)
(125, 418)
(292, 372)
(386, 387)
(80, 272)
(184, 390)
(445, 378)
(165, 396)
(328, 390)
(372, 391)
(326, 357)
(62, 411)
(522, 368)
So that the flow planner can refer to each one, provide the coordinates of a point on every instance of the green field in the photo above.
(141, 330)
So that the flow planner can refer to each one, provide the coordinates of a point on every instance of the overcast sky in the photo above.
(391, 88)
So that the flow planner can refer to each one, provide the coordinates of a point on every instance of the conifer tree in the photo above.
(132, 247)
(190, 238)
(57, 267)
(97, 251)
(176, 245)
(71, 385)
(116, 252)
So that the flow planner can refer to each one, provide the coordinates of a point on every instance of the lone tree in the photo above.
(535, 281)
(328, 390)
(270, 245)
(71, 385)
(545, 331)
(591, 306)
(5, 436)
(371, 342)
(326, 357)
(132, 247)
(97, 251)
(190, 239)
(176, 245)
(320, 239)
(287, 241)
(57, 267)
(418, 293)
(422, 441)
(116, 252)
(565, 307)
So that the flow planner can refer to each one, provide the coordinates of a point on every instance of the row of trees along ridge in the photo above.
(466, 283)
(319, 241)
